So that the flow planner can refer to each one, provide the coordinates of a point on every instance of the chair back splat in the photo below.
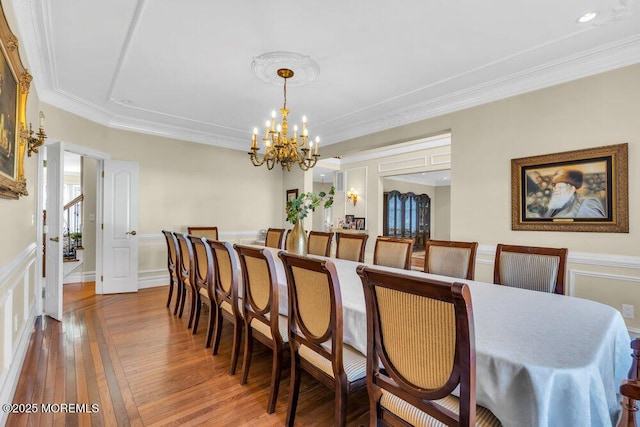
(274, 238)
(351, 246)
(452, 259)
(320, 243)
(393, 252)
(210, 233)
(420, 348)
(530, 267)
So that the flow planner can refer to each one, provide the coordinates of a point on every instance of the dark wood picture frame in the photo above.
(360, 223)
(348, 219)
(14, 82)
(581, 190)
(292, 194)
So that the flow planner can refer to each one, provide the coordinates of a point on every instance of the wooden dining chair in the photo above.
(188, 287)
(449, 258)
(634, 371)
(262, 321)
(287, 241)
(226, 296)
(393, 252)
(319, 243)
(316, 333)
(530, 267)
(630, 391)
(420, 348)
(351, 246)
(173, 261)
(274, 238)
(201, 264)
(210, 233)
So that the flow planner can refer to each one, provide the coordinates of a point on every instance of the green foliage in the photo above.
(299, 208)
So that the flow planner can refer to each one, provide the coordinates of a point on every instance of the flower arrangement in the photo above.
(299, 208)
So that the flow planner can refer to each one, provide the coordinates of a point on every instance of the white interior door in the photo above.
(120, 222)
(54, 272)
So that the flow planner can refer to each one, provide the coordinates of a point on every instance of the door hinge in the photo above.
(44, 294)
(103, 174)
(102, 278)
(44, 163)
(101, 226)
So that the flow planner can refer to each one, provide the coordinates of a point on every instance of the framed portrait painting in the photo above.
(582, 190)
(14, 88)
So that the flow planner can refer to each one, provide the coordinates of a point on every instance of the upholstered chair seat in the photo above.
(415, 417)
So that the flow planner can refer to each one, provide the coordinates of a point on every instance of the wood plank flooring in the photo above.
(128, 355)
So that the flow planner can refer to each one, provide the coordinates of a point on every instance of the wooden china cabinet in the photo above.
(407, 215)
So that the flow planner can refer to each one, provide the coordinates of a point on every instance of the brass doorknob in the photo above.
(54, 239)
(133, 233)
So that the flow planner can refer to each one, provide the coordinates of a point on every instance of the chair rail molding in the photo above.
(15, 277)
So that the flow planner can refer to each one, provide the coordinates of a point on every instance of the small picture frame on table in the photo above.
(360, 223)
(292, 194)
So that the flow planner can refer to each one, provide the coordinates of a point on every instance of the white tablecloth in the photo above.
(541, 359)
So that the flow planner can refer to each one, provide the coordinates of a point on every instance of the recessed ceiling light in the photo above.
(587, 17)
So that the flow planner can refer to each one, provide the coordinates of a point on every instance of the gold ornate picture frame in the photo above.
(582, 190)
(14, 89)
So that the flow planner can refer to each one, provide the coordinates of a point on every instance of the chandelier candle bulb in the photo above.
(317, 143)
(254, 138)
(295, 132)
(273, 120)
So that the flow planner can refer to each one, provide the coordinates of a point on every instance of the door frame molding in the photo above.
(100, 156)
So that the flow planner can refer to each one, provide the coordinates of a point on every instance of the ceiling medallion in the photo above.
(265, 67)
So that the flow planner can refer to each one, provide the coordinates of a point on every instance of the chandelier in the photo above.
(279, 147)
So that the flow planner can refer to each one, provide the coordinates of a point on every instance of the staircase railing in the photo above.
(72, 236)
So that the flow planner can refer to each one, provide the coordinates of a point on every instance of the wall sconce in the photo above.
(352, 195)
(32, 142)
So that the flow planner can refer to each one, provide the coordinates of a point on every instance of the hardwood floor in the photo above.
(141, 366)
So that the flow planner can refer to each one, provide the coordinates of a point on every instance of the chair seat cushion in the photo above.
(355, 364)
(283, 326)
(416, 417)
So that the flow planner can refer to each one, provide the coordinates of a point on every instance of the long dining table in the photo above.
(541, 359)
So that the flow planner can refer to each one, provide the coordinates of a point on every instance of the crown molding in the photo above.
(599, 60)
(364, 122)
